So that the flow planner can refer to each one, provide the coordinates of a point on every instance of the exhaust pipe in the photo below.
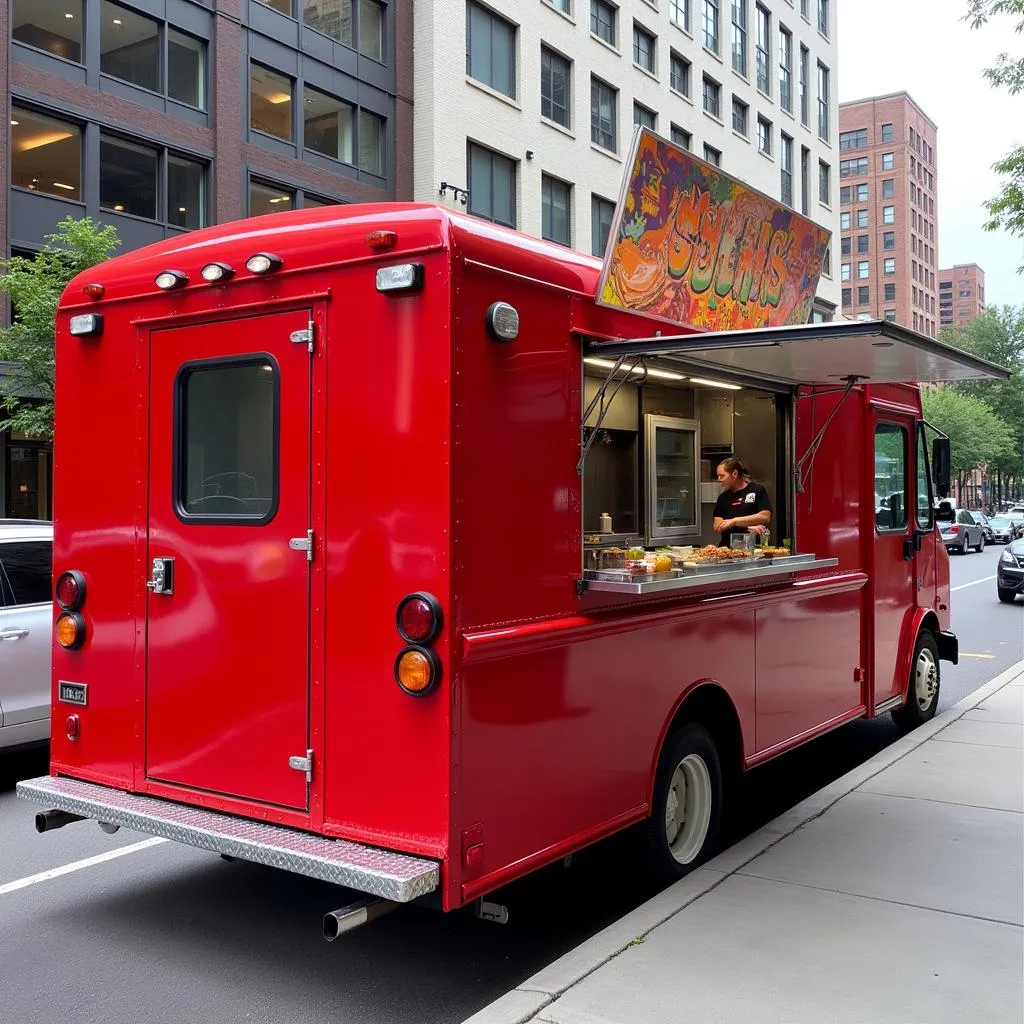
(369, 908)
(47, 821)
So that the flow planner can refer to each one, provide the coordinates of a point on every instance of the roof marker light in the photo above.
(94, 291)
(263, 263)
(214, 272)
(382, 239)
(171, 279)
(404, 277)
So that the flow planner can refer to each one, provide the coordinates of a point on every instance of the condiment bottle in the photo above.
(606, 523)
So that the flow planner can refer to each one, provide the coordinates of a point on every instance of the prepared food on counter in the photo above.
(612, 558)
(712, 554)
(769, 552)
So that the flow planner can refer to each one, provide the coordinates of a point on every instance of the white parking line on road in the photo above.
(972, 584)
(66, 869)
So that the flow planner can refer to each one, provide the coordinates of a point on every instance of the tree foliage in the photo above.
(976, 435)
(1006, 209)
(35, 287)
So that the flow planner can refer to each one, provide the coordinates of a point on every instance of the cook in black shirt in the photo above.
(743, 506)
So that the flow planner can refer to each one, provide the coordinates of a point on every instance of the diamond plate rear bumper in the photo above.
(392, 876)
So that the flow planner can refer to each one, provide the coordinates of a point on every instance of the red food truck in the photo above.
(384, 537)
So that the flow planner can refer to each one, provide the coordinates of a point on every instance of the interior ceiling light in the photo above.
(715, 384)
(69, 16)
(609, 364)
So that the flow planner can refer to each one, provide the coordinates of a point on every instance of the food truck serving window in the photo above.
(890, 477)
(226, 434)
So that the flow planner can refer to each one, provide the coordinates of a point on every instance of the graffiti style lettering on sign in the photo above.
(695, 246)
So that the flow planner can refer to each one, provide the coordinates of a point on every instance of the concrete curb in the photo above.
(523, 1004)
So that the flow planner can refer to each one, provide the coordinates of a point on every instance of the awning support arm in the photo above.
(812, 448)
(587, 442)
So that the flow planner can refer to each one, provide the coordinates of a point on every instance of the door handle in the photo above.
(908, 549)
(13, 634)
(162, 579)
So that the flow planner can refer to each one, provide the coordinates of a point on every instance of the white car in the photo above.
(26, 626)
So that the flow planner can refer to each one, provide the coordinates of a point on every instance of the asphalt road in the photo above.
(169, 934)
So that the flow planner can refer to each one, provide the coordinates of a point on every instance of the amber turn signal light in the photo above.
(70, 631)
(417, 670)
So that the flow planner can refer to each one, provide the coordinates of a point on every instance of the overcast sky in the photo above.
(927, 51)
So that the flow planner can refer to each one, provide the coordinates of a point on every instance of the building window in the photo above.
(862, 192)
(823, 17)
(739, 36)
(845, 248)
(890, 314)
(890, 293)
(336, 18)
(128, 177)
(805, 86)
(845, 195)
(863, 268)
(679, 74)
(710, 25)
(888, 188)
(740, 116)
(889, 240)
(712, 97)
(805, 180)
(844, 221)
(764, 136)
(887, 161)
(785, 69)
(824, 183)
(681, 137)
(644, 117)
(762, 49)
(643, 48)
(270, 102)
(862, 218)
(602, 114)
(560, 5)
(328, 126)
(826, 263)
(805, 9)
(862, 244)
(556, 204)
(46, 154)
(679, 13)
(786, 167)
(853, 168)
(372, 151)
(186, 193)
(266, 198)
(490, 49)
(712, 155)
(601, 213)
(889, 266)
(492, 186)
(888, 214)
(857, 139)
(846, 297)
(130, 47)
(887, 133)
(823, 101)
(863, 294)
(844, 271)
(39, 25)
(602, 20)
(555, 87)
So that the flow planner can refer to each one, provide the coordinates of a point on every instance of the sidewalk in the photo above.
(896, 894)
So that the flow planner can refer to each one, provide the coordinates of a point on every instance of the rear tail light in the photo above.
(70, 631)
(417, 670)
(952, 529)
(419, 618)
(70, 590)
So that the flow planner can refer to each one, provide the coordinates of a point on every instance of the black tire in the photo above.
(922, 694)
(981, 544)
(962, 550)
(1006, 596)
(692, 744)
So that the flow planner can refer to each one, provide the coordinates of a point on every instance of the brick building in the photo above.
(961, 294)
(888, 216)
(159, 116)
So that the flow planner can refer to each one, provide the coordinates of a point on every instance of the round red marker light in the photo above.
(70, 590)
(71, 727)
(419, 618)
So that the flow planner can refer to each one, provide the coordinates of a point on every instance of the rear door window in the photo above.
(28, 568)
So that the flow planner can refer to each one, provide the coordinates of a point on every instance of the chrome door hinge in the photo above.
(303, 764)
(306, 337)
(303, 544)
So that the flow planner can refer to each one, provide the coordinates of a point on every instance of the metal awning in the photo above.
(871, 351)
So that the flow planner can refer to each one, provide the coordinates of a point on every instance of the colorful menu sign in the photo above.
(692, 245)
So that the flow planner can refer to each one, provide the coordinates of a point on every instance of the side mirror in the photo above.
(940, 466)
(945, 513)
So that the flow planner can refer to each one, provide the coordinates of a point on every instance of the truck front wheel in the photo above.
(923, 686)
(686, 813)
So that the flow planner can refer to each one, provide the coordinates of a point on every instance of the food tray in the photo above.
(696, 568)
(625, 576)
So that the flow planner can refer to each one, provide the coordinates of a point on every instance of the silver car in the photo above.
(26, 626)
(965, 532)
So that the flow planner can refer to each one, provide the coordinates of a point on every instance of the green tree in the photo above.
(1006, 209)
(976, 435)
(35, 287)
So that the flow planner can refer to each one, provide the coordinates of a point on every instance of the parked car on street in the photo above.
(1010, 574)
(26, 625)
(1004, 529)
(963, 533)
(986, 524)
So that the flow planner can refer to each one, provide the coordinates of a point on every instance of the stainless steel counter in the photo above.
(751, 572)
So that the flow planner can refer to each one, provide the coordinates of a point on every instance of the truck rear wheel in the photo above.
(923, 685)
(686, 813)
